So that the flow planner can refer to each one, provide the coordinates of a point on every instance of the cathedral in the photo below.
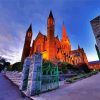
(51, 47)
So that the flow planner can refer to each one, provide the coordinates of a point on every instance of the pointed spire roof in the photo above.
(50, 15)
(78, 46)
(39, 32)
(30, 28)
(64, 34)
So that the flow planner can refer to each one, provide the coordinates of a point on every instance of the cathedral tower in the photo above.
(50, 37)
(26, 48)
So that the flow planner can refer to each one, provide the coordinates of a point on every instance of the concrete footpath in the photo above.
(86, 89)
(9, 91)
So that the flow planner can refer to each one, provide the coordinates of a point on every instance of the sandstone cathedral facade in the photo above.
(51, 47)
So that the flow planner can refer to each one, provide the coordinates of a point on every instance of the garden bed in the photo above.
(80, 76)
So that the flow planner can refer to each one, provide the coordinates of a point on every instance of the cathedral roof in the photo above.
(77, 51)
(95, 19)
(40, 35)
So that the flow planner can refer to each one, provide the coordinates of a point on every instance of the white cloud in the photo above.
(11, 44)
(92, 57)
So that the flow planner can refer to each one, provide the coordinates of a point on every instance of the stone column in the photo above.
(25, 74)
(35, 72)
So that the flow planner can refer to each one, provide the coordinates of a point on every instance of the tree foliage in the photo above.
(3, 64)
(65, 67)
(17, 66)
(84, 67)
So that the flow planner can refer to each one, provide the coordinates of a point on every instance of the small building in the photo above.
(94, 64)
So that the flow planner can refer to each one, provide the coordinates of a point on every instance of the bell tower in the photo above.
(50, 36)
(26, 48)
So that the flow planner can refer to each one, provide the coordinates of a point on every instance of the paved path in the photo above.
(86, 89)
(8, 91)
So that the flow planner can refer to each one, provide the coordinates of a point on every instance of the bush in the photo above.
(8, 66)
(65, 67)
(69, 81)
(4, 64)
(62, 67)
(84, 68)
(17, 66)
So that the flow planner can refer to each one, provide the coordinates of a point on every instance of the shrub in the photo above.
(84, 68)
(62, 68)
(3, 64)
(81, 76)
(17, 66)
(65, 67)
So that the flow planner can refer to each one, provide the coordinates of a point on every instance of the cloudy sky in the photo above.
(17, 15)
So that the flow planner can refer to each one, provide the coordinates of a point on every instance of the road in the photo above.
(8, 91)
(86, 89)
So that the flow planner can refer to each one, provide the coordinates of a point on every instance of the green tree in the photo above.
(17, 66)
(3, 64)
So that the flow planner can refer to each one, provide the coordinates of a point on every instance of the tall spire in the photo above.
(27, 48)
(30, 28)
(51, 15)
(64, 35)
(50, 36)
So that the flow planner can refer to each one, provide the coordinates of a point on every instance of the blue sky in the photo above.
(17, 15)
